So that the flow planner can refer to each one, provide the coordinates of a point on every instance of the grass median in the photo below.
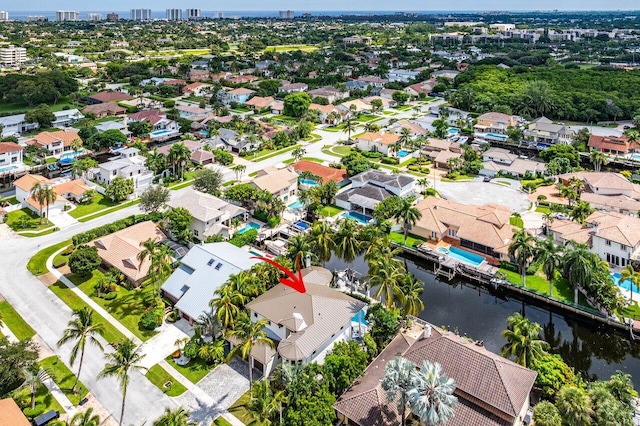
(165, 381)
(14, 321)
(65, 379)
(37, 264)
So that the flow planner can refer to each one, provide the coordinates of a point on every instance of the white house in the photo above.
(370, 187)
(384, 143)
(10, 155)
(127, 165)
(14, 125)
(282, 183)
(615, 237)
(542, 130)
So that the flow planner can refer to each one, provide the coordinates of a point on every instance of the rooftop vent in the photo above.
(210, 262)
(218, 266)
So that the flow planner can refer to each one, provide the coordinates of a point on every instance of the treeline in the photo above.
(40, 88)
(559, 92)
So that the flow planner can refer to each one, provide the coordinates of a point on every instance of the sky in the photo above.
(309, 5)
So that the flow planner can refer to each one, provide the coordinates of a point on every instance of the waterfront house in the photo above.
(372, 186)
(607, 191)
(56, 143)
(544, 131)
(10, 155)
(128, 164)
(162, 128)
(281, 183)
(493, 126)
(105, 109)
(491, 390)
(382, 142)
(15, 125)
(121, 250)
(204, 269)
(239, 96)
(325, 173)
(25, 185)
(210, 215)
(196, 89)
(192, 112)
(414, 129)
(613, 145)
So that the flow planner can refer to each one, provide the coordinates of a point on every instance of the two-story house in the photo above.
(496, 160)
(294, 87)
(10, 156)
(493, 126)
(382, 142)
(128, 164)
(162, 128)
(545, 132)
(57, 143)
(239, 95)
(372, 186)
(281, 183)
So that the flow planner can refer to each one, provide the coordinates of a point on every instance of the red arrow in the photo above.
(292, 281)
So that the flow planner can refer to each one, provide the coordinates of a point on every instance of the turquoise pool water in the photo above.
(309, 182)
(463, 256)
(497, 136)
(360, 317)
(361, 218)
(70, 157)
(296, 206)
(453, 131)
(627, 284)
(635, 157)
(403, 153)
(249, 226)
(7, 168)
(160, 132)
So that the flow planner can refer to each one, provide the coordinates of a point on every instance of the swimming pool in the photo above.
(453, 131)
(403, 153)
(361, 218)
(249, 226)
(496, 136)
(7, 168)
(635, 157)
(162, 132)
(302, 225)
(204, 133)
(360, 317)
(296, 206)
(70, 157)
(308, 182)
(627, 285)
(463, 256)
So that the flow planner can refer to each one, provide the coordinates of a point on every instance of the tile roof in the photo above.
(382, 138)
(104, 108)
(9, 147)
(274, 181)
(605, 181)
(150, 115)
(11, 414)
(611, 143)
(76, 187)
(260, 102)
(366, 196)
(569, 230)
(110, 96)
(47, 138)
(374, 176)
(27, 182)
(201, 156)
(204, 207)
(312, 317)
(325, 172)
(617, 227)
(241, 91)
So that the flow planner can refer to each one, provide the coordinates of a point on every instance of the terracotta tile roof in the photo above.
(76, 187)
(11, 414)
(202, 155)
(569, 230)
(607, 181)
(9, 147)
(260, 102)
(383, 138)
(47, 138)
(241, 91)
(325, 172)
(27, 182)
(274, 181)
(104, 108)
(497, 117)
(121, 249)
(611, 143)
(616, 227)
(151, 115)
(110, 96)
(176, 82)
(325, 109)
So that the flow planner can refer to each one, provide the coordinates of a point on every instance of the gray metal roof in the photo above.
(394, 180)
(199, 275)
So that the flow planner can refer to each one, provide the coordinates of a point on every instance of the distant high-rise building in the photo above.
(4, 16)
(218, 15)
(13, 55)
(140, 14)
(34, 18)
(174, 14)
(286, 14)
(113, 17)
(194, 14)
(66, 15)
(94, 17)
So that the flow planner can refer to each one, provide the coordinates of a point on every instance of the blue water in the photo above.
(497, 136)
(302, 225)
(361, 218)
(7, 168)
(453, 131)
(308, 182)
(627, 285)
(360, 317)
(296, 206)
(70, 157)
(204, 133)
(403, 153)
(463, 256)
(248, 227)
(635, 157)
(160, 132)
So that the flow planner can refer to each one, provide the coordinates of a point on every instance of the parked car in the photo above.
(487, 178)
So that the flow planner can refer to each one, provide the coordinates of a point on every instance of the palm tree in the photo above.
(40, 193)
(85, 419)
(581, 211)
(179, 155)
(239, 169)
(322, 241)
(298, 248)
(523, 340)
(547, 253)
(156, 161)
(521, 249)
(212, 351)
(408, 214)
(76, 144)
(347, 245)
(227, 303)
(424, 184)
(177, 417)
(629, 273)
(350, 125)
(298, 153)
(386, 273)
(248, 334)
(431, 394)
(126, 357)
(82, 330)
(397, 382)
(32, 381)
(574, 406)
(598, 159)
(264, 403)
(410, 292)
(577, 267)
(160, 258)
(208, 324)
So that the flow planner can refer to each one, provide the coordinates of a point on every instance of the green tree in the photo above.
(127, 357)
(350, 126)
(241, 193)
(523, 340)
(156, 161)
(119, 189)
(522, 250)
(548, 255)
(298, 153)
(385, 273)
(581, 211)
(578, 266)
(179, 157)
(248, 334)
(607, 410)
(384, 324)
(598, 159)
(139, 128)
(431, 394)
(227, 303)
(84, 260)
(562, 151)
(238, 169)
(82, 330)
(621, 387)
(553, 374)
(265, 403)
(322, 241)
(86, 418)
(408, 214)
(153, 198)
(347, 245)
(208, 181)
(410, 295)
(299, 248)
(546, 414)
(176, 417)
(179, 221)
(574, 406)
(296, 104)
(343, 365)
(42, 115)
(32, 381)
(44, 195)
(15, 357)
(397, 382)
(400, 97)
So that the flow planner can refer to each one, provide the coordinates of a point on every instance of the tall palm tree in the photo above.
(248, 334)
(298, 153)
(629, 273)
(523, 340)
(522, 250)
(156, 161)
(408, 214)
(179, 155)
(81, 329)
(33, 381)
(410, 292)
(574, 406)
(208, 324)
(347, 245)
(160, 257)
(239, 169)
(322, 241)
(40, 195)
(350, 125)
(581, 211)
(177, 417)
(598, 159)
(298, 248)
(548, 253)
(127, 357)
(227, 303)
(212, 351)
(85, 419)
(397, 382)
(423, 183)
(385, 273)
(264, 403)
(578, 266)
(431, 394)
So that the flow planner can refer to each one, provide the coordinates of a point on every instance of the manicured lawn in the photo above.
(365, 118)
(239, 409)
(404, 108)
(11, 200)
(43, 398)
(99, 202)
(290, 47)
(21, 108)
(64, 378)
(407, 162)
(220, 421)
(632, 311)
(127, 307)
(516, 221)
(561, 289)
(194, 371)
(329, 211)
(158, 376)
(412, 240)
(37, 264)
(25, 219)
(14, 321)
(543, 210)
(239, 110)
(110, 333)
(109, 210)
(274, 153)
(313, 160)
(341, 150)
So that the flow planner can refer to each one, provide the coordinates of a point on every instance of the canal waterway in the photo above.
(480, 313)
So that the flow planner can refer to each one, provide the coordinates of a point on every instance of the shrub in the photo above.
(100, 231)
(240, 240)
(110, 296)
(169, 103)
(67, 251)
(371, 154)
(34, 412)
(59, 263)
(431, 192)
(152, 319)
(414, 168)
(191, 349)
(389, 160)
(273, 221)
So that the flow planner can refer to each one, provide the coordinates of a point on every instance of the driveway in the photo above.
(478, 192)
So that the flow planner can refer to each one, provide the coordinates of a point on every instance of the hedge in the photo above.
(100, 231)
(245, 238)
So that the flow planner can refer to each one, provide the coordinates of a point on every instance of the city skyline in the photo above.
(334, 5)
